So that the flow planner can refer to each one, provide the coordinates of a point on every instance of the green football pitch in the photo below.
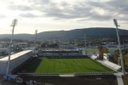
(63, 65)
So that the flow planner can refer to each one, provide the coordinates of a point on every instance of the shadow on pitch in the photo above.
(30, 66)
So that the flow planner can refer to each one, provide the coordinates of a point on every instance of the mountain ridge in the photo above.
(92, 33)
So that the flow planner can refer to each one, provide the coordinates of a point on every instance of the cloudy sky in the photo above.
(49, 15)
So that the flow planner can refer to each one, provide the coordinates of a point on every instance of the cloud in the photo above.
(28, 15)
(114, 8)
(2, 16)
(90, 9)
(65, 11)
(40, 1)
(77, 11)
(20, 7)
(24, 8)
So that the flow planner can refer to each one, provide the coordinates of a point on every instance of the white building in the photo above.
(15, 60)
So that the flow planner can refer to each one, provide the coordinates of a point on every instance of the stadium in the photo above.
(62, 62)
(58, 68)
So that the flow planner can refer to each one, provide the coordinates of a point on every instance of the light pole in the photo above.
(14, 23)
(121, 56)
(85, 44)
(35, 41)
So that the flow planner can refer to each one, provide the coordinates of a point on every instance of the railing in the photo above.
(93, 73)
(38, 74)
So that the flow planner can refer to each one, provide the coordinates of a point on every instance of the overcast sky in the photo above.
(50, 15)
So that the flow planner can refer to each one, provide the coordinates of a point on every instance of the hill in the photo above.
(91, 33)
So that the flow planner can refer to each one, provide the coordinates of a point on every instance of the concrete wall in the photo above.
(15, 60)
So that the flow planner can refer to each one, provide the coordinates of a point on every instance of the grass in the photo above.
(92, 49)
(65, 65)
(96, 50)
(111, 50)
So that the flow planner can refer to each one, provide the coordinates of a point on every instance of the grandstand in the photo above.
(15, 60)
(78, 79)
(59, 52)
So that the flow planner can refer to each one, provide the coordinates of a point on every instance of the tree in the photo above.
(102, 50)
(18, 48)
(100, 47)
(116, 56)
(125, 57)
(126, 61)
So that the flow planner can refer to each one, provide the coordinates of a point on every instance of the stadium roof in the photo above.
(16, 55)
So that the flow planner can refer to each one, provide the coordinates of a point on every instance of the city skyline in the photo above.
(53, 15)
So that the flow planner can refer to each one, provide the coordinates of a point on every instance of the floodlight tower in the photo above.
(14, 23)
(85, 43)
(121, 56)
(35, 41)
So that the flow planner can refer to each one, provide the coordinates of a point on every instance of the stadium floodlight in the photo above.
(85, 44)
(14, 23)
(119, 46)
(35, 41)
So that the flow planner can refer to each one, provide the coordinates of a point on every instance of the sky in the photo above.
(54, 15)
